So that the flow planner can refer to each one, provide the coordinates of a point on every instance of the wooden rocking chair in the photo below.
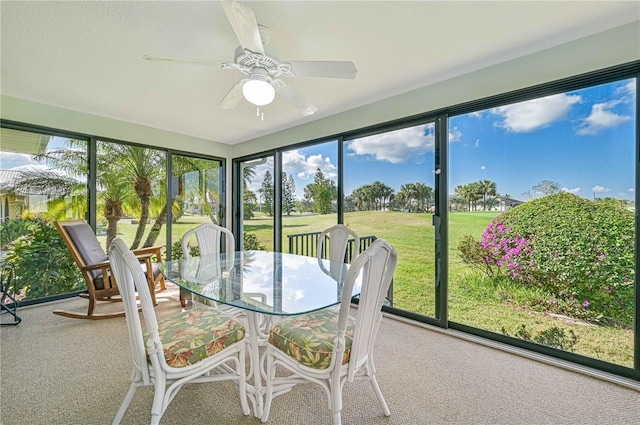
(96, 270)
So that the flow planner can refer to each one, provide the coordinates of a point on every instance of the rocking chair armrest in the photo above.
(153, 250)
(145, 258)
(104, 264)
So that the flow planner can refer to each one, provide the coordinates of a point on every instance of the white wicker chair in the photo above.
(329, 347)
(209, 240)
(215, 341)
(338, 237)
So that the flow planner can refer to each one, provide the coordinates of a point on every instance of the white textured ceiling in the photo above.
(87, 55)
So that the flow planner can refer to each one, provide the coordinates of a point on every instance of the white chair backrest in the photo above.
(376, 266)
(129, 278)
(338, 236)
(209, 238)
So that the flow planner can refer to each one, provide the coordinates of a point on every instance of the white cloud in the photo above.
(601, 118)
(534, 114)
(455, 135)
(631, 189)
(397, 146)
(478, 143)
(628, 90)
(304, 168)
(575, 190)
(483, 167)
(600, 189)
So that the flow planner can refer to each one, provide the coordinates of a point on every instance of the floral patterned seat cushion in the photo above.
(193, 335)
(309, 338)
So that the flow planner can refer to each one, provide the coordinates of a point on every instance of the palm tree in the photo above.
(487, 188)
(117, 190)
(424, 196)
(144, 166)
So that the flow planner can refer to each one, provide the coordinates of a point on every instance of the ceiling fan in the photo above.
(262, 67)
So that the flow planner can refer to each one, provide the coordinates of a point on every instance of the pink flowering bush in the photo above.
(581, 252)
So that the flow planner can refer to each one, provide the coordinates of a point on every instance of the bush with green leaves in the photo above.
(11, 230)
(579, 250)
(43, 264)
(251, 242)
(177, 254)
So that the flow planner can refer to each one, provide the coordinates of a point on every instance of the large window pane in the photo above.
(309, 195)
(196, 196)
(389, 193)
(542, 227)
(131, 198)
(257, 205)
(43, 179)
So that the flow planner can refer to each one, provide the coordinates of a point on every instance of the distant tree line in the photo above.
(321, 196)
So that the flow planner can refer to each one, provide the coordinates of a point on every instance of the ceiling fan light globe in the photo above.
(258, 92)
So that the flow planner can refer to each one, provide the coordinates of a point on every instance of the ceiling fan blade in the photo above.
(296, 100)
(187, 60)
(322, 69)
(234, 96)
(244, 24)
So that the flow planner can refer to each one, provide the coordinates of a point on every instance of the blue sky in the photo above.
(584, 140)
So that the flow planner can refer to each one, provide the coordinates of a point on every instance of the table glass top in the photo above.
(265, 282)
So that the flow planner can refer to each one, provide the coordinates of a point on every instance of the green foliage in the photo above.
(473, 253)
(177, 254)
(553, 336)
(468, 196)
(322, 193)
(266, 190)
(43, 263)
(580, 250)
(12, 230)
(251, 242)
(288, 193)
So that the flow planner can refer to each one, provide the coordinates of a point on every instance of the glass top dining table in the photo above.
(271, 283)
(262, 283)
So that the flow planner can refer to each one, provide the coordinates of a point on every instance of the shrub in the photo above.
(12, 230)
(43, 264)
(177, 254)
(580, 250)
(251, 242)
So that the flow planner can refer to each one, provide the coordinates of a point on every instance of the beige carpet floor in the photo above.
(56, 370)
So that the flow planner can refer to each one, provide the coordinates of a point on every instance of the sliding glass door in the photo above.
(389, 187)
(542, 222)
